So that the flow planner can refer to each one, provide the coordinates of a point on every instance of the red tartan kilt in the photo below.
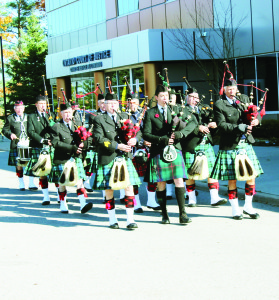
(141, 169)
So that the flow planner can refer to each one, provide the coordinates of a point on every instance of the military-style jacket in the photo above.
(228, 119)
(13, 125)
(196, 137)
(64, 140)
(158, 132)
(38, 128)
(107, 136)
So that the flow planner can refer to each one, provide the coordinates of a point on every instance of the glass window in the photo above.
(127, 6)
(267, 78)
(118, 82)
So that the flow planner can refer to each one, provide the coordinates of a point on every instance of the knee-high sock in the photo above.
(81, 193)
(137, 203)
(110, 207)
(63, 203)
(162, 200)
(179, 193)
(214, 192)
(129, 203)
(249, 193)
(234, 202)
(191, 189)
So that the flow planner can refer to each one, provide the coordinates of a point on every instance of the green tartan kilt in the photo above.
(92, 161)
(35, 153)
(12, 157)
(224, 166)
(56, 171)
(161, 170)
(209, 153)
(102, 177)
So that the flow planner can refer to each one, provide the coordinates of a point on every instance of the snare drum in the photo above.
(24, 153)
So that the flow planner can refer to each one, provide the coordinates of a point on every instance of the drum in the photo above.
(24, 153)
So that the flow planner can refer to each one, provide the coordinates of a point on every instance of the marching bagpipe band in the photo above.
(244, 167)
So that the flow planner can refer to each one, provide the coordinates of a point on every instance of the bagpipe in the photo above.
(244, 167)
(48, 112)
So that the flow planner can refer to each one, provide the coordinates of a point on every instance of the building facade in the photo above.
(92, 40)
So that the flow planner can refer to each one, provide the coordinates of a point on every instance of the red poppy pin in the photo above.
(237, 101)
(156, 116)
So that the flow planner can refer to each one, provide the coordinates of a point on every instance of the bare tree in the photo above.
(212, 38)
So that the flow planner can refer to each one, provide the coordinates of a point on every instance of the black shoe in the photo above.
(184, 219)
(186, 198)
(64, 211)
(22, 189)
(114, 226)
(220, 202)
(138, 210)
(122, 200)
(169, 197)
(132, 226)
(86, 207)
(252, 216)
(155, 208)
(34, 188)
(192, 205)
(89, 190)
(240, 217)
(46, 203)
(165, 218)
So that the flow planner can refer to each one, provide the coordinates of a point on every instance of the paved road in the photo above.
(47, 255)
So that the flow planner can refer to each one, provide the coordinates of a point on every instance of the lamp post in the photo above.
(3, 76)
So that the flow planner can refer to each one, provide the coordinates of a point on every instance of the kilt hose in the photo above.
(35, 153)
(209, 153)
(56, 171)
(12, 161)
(224, 166)
(103, 173)
(161, 170)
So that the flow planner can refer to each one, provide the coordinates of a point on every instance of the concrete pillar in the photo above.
(151, 79)
(65, 83)
(99, 77)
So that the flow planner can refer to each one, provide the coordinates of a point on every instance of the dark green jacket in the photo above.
(158, 132)
(14, 126)
(231, 122)
(107, 136)
(38, 128)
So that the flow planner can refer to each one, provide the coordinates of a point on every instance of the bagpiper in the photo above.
(15, 129)
(39, 129)
(198, 150)
(236, 144)
(67, 168)
(115, 167)
(166, 163)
